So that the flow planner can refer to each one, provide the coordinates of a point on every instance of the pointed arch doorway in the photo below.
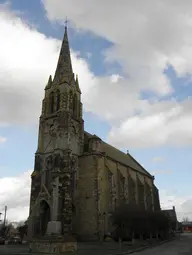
(44, 216)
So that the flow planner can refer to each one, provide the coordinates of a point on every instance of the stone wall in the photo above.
(87, 200)
(122, 179)
(101, 182)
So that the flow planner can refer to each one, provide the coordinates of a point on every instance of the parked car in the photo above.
(2, 241)
(15, 240)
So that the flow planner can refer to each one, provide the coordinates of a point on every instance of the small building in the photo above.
(12, 232)
(186, 226)
(171, 214)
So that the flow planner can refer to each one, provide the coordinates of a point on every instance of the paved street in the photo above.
(13, 249)
(181, 246)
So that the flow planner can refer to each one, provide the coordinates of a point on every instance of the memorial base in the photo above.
(53, 245)
(54, 228)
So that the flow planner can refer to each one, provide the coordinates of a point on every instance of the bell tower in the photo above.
(61, 123)
(60, 143)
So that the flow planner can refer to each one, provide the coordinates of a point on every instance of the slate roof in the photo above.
(171, 213)
(121, 157)
(186, 224)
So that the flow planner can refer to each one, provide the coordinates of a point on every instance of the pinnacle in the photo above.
(49, 83)
(77, 84)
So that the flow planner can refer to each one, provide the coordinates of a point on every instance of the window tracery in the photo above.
(75, 105)
(51, 101)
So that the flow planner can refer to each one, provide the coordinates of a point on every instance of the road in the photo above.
(181, 246)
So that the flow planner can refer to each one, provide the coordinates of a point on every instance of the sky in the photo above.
(133, 57)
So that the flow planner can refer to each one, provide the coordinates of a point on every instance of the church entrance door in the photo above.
(44, 216)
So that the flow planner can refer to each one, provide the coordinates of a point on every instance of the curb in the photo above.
(145, 247)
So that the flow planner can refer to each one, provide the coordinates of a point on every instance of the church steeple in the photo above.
(64, 66)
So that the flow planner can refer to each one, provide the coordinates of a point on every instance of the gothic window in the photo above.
(58, 100)
(43, 107)
(122, 187)
(46, 178)
(149, 197)
(75, 105)
(115, 204)
(86, 147)
(110, 183)
(140, 194)
(132, 190)
(51, 97)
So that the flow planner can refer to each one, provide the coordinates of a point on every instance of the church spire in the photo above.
(64, 66)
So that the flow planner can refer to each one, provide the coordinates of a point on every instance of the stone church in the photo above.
(78, 179)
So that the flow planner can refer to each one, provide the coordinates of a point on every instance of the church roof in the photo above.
(170, 213)
(121, 157)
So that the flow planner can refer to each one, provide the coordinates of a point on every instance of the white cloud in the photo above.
(2, 139)
(160, 123)
(160, 171)
(15, 193)
(158, 159)
(183, 204)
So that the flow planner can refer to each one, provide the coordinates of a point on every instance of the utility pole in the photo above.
(5, 215)
(0, 218)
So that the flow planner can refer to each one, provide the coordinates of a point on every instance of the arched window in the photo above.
(58, 100)
(75, 105)
(51, 97)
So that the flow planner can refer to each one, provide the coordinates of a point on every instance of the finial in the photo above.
(66, 22)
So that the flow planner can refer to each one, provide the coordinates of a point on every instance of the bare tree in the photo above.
(186, 219)
(22, 228)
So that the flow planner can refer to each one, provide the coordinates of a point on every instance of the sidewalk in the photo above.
(106, 248)
(151, 245)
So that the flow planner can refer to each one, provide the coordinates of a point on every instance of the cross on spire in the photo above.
(66, 22)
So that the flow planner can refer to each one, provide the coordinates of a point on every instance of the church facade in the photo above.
(78, 179)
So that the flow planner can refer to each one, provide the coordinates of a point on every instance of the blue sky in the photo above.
(170, 163)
